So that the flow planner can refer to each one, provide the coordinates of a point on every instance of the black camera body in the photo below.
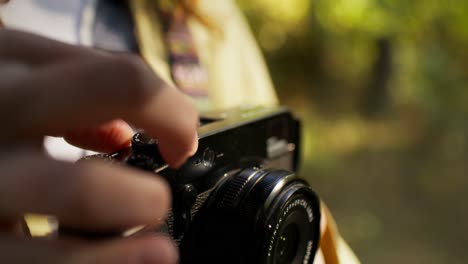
(237, 200)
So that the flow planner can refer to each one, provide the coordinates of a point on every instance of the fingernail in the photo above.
(195, 145)
(163, 252)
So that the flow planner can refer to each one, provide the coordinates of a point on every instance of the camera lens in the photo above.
(288, 243)
(256, 216)
(293, 232)
(293, 225)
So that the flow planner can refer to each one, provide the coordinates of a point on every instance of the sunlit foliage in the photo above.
(382, 89)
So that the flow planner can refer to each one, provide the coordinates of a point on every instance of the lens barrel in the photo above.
(256, 216)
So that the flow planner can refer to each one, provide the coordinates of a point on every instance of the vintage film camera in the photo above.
(237, 200)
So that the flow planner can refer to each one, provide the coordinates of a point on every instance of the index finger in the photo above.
(86, 92)
(36, 50)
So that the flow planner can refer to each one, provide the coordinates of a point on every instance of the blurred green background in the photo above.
(381, 88)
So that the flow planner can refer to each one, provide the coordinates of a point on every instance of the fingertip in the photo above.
(162, 198)
(102, 196)
(194, 145)
(172, 156)
(107, 137)
(149, 197)
(176, 157)
(140, 250)
(172, 118)
(159, 249)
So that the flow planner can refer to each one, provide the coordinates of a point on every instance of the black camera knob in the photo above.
(145, 153)
(144, 144)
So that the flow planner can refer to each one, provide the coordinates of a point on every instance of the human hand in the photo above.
(50, 88)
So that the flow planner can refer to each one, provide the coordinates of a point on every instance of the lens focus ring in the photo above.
(257, 216)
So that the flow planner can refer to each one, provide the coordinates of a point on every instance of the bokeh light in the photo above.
(382, 89)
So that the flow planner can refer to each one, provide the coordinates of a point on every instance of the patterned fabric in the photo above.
(237, 73)
(186, 70)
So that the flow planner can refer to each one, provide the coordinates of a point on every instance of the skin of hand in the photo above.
(86, 96)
